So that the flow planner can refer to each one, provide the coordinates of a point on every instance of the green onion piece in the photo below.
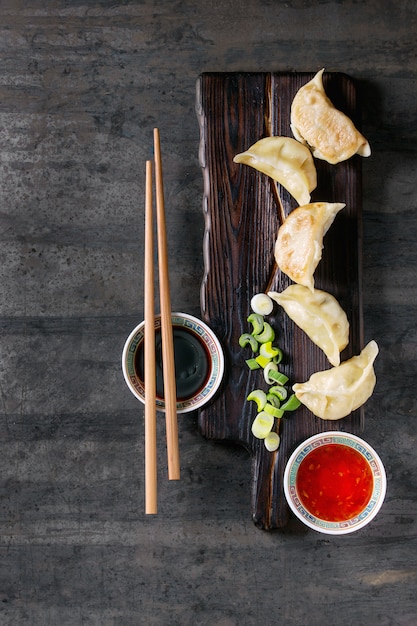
(253, 364)
(278, 358)
(272, 441)
(278, 391)
(263, 361)
(267, 334)
(257, 322)
(277, 377)
(258, 396)
(246, 339)
(269, 367)
(267, 349)
(262, 425)
(262, 304)
(272, 410)
(291, 404)
(274, 400)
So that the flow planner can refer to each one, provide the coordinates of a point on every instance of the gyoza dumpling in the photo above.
(299, 245)
(331, 135)
(285, 160)
(319, 315)
(334, 393)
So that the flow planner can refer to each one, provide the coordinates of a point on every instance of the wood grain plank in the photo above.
(242, 211)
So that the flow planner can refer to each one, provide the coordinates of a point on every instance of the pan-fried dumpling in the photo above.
(285, 160)
(315, 121)
(299, 245)
(334, 393)
(319, 315)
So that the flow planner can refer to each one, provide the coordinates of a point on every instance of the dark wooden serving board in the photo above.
(242, 217)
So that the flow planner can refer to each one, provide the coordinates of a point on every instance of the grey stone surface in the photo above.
(82, 84)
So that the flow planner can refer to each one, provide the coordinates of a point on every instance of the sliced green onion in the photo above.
(257, 322)
(291, 404)
(267, 334)
(263, 361)
(262, 304)
(262, 425)
(274, 400)
(267, 349)
(273, 410)
(278, 358)
(258, 396)
(278, 391)
(272, 441)
(268, 368)
(266, 356)
(246, 339)
(275, 376)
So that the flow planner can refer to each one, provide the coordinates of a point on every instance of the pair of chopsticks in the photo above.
(168, 362)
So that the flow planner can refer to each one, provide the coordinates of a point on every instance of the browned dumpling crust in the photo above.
(299, 244)
(315, 121)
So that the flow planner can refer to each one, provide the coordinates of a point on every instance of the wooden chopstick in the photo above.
(170, 392)
(151, 506)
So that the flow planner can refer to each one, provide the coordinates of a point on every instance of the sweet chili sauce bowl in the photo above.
(335, 483)
(199, 362)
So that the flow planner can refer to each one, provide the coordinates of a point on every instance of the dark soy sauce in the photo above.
(191, 363)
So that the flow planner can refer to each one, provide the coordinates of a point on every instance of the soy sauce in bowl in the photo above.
(191, 363)
(198, 356)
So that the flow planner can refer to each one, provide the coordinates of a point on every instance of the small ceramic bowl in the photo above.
(199, 362)
(335, 483)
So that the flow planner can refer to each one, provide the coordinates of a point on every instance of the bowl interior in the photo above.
(306, 453)
(199, 362)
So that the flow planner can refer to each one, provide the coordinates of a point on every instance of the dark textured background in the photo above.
(82, 84)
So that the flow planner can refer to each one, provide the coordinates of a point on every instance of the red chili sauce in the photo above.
(334, 482)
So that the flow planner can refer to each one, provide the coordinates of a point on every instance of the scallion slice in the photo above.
(278, 358)
(268, 368)
(263, 361)
(253, 364)
(291, 404)
(279, 391)
(274, 400)
(268, 350)
(274, 376)
(258, 396)
(262, 304)
(248, 339)
(272, 410)
(267, 334)
(262, 425)
(257, 322)
(272, 441)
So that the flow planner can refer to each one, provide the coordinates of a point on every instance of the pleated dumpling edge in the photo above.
(334, 393)
(319, 315)
(315, 121)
